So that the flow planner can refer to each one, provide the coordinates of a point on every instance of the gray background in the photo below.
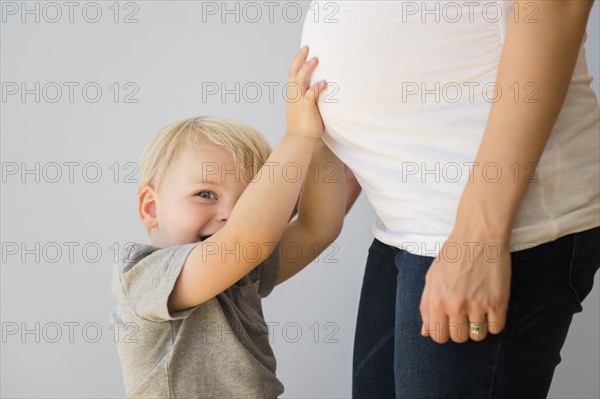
(56, 335)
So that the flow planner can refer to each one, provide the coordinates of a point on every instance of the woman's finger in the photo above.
(458, 328)
(438, 326)
(478, 327)
(424, 309)
(496, 321)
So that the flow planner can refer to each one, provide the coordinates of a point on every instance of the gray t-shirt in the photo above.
(219, 349)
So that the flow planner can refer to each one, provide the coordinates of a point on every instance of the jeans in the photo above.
(393, 360)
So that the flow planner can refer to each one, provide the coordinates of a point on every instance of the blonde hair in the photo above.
(247, 147)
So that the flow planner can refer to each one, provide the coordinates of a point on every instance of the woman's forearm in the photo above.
(540, 56)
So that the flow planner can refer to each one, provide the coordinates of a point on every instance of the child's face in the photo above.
(196, 197)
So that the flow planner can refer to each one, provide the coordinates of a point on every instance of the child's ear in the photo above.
(147, 207)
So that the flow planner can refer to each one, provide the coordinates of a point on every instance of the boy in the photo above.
(191, 302)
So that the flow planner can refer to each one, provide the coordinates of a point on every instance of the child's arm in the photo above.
(263, 210)
(320, 214)
(353, 188)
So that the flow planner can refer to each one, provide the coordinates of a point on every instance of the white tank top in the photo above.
(411, 85)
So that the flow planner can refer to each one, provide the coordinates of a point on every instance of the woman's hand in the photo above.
(302, 114)
(466, 290)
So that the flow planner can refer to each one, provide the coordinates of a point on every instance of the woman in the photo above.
(473, 130)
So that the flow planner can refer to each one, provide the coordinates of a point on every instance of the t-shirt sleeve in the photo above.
(147, 276)
(267, 273)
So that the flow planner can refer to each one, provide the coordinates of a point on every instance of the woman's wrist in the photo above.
(483, 221)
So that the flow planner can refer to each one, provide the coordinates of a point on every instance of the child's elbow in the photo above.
(338, 229)
(332, 233)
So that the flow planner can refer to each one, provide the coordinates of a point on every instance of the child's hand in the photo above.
(302, 114)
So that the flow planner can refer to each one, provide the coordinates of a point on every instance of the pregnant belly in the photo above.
(403, 94)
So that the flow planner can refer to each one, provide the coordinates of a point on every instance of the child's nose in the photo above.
(224, 212)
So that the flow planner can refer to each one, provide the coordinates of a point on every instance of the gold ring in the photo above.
(477, 329)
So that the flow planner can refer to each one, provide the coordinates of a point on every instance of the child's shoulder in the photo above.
(138, 254)
(144, 276)
(132, 253)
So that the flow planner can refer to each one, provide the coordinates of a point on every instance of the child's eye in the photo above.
(206, 195)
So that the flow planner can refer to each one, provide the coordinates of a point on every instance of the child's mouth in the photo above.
(202, 238)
